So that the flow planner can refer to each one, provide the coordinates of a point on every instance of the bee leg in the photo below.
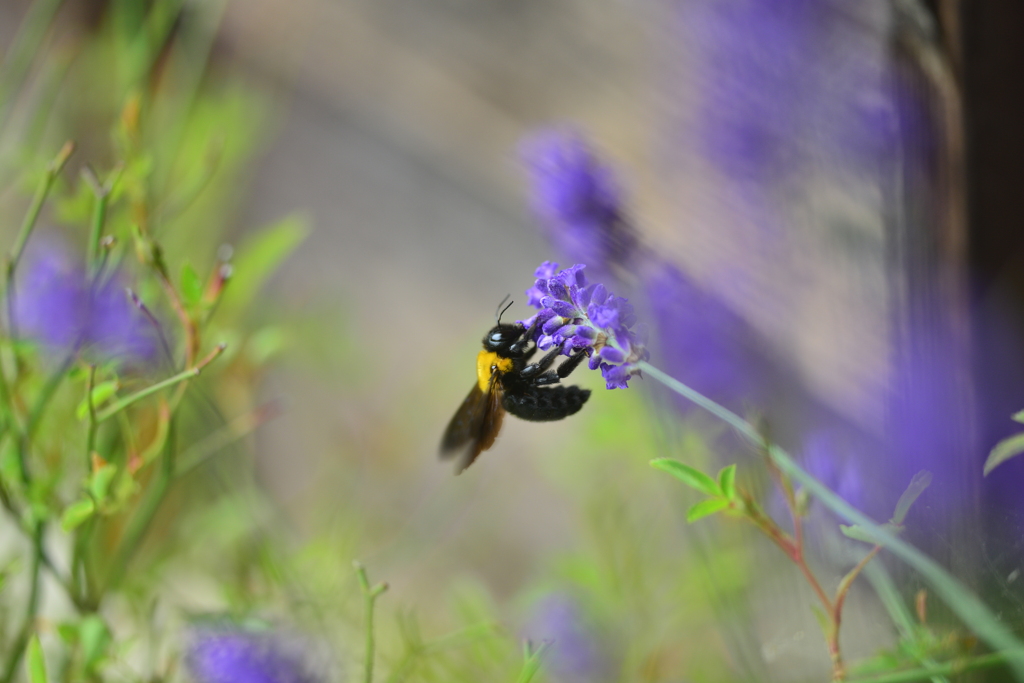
(563, 370)
(521, 345)
(572, 363)
(535, 369)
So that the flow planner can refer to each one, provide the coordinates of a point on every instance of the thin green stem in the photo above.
(531, 661)
(99, 217)
(53, 169)
(31, 608)
(974, 613)
(154, 388)
(370, 595)
(143, 517)
(22, 51)
(28, 224)
(90, 437)
(946, 669)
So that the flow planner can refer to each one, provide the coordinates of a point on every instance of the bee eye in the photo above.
(497, 337)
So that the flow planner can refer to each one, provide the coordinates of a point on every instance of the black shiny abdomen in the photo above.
(543, 404)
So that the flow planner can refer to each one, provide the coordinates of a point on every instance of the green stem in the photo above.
(28, 224)
(90, 437)
(152, 389)
(24, 47)
(370, 595)
(949, 668)
(974, 613)
(531, 661)
(143, 517)
(31, 608)
(32, 215)
(99, 217)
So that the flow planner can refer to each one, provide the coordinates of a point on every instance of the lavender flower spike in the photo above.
(576, 198)
(575, 315)
(234, 656)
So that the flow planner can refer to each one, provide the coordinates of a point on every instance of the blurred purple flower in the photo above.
(576, 654)
(701, 341)
(576, 198)
(828, 464)
(224, 656)
(55, 305)
(787, 82)
(575, 315)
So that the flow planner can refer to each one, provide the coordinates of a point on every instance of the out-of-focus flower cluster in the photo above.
(232, 656)
(58, 305)
(578, 316)
(576, 198)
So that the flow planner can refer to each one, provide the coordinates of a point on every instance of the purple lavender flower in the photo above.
(576, 198)
(57, 306)
(226, 656)
(788, 82)
(575, 315)
(575, 655)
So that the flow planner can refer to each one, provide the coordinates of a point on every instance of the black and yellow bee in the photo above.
(507, 381)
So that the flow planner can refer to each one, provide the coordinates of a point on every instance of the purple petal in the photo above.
(612, 355)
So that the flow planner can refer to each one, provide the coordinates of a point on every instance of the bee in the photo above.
(508, 382)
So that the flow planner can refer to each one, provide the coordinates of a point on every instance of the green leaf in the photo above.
(1004, 450)
(76, 513)
(101, 393)
(706, 508)
(95, 638)
(34, 661)
(859, 533)
(99, 481)
(191, 286)
(917, 486)
(690, 476)
(256, 261)
(823, 622)
(727, 481)
(68, 633)
(1018, 417)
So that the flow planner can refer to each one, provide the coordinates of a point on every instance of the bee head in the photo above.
(502, 336)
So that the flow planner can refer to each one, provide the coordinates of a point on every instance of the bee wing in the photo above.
(475, 425)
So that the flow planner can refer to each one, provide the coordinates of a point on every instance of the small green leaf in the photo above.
(690, 476)
(859, 533)
(706, 508)
(917, 486)
(99, 481)
(823, 622)
(101, 393)
(727, 481)
(1004, 450)
(95, 637)
(1018, 417)
(191, 286)
(68, 633)
(34, 661)
(77, 513)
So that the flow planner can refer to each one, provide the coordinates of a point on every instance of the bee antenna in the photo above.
(501, 311)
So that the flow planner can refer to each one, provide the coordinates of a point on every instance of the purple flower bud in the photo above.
(615, 376)
(612, 355)
(554, 323)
